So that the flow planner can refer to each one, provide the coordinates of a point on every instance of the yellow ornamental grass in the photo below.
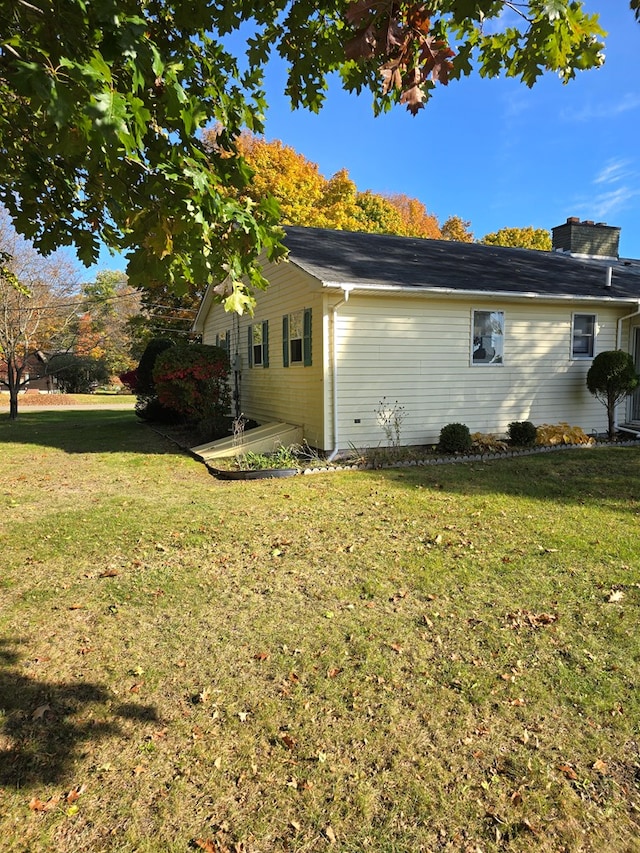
(562, 433)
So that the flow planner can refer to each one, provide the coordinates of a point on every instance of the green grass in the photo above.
(407, 660)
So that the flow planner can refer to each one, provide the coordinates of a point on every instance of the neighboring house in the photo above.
(483, 335)
(35, 376)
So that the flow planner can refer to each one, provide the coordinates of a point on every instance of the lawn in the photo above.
(26, 401)
(438, 659)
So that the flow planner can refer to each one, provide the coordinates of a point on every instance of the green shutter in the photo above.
(306, 339)
(250, 346)
(285, 340)
(265, 343)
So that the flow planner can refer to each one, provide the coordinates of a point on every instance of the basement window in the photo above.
(488, 337)
(583, 336)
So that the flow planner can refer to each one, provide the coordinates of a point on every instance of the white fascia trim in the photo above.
(407, 290)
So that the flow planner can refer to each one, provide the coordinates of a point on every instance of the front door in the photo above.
(633, 405)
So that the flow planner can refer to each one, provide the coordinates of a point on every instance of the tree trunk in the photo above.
(13, 381)
(611, 413)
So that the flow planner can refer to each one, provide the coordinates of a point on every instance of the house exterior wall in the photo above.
(416, 352)
(293, 394)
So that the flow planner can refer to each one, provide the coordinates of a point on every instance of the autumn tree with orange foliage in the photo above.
(457, 229)
(416, 221)
(307, 198)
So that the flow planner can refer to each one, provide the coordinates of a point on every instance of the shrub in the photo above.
(612, 377)
(455, 438)
(78, 374)
(522, 433)
(562, 433)
(130, 380)
(140, 380)
(486, 442)
(145, 386)
(191, 379)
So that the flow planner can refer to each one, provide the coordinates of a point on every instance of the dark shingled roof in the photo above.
(346, 257)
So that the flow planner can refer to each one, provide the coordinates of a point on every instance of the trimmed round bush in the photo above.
(522, 433)
(612, 377)
(455, 438)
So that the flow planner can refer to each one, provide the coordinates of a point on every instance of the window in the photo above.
(296, 338)
(224, 341)
(583, 338)
(488, 337)
(258, 344)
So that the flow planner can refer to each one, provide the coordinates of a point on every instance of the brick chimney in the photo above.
(586, 238)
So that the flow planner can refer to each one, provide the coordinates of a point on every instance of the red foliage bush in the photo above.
(192, 380)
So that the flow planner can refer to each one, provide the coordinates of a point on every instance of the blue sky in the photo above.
(493, 151)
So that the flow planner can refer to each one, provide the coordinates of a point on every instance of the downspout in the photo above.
(619, 346)
(334, 371)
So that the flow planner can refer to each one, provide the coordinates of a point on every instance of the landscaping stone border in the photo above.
(444, 459)
(489, 456)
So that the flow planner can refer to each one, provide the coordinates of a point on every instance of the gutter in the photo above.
(334, 369)
(416, 290)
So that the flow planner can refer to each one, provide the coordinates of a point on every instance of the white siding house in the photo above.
(484, 335)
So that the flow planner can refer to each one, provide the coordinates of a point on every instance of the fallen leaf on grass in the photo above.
(135, 688)
(330, 835)
(398, 596)
(333, 671)
(205, 844)
(288, 741)
(36, 805)
(109, 573)
(40, 711)
(396, 648)
(568, 771)
(527, 619)
(600, 766)
(74, 794)
(615, 595)
(261, 656)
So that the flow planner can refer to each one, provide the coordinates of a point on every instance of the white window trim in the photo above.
(475, 311)
(579, 356)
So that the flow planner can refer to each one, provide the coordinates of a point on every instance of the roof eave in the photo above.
(408, 290)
